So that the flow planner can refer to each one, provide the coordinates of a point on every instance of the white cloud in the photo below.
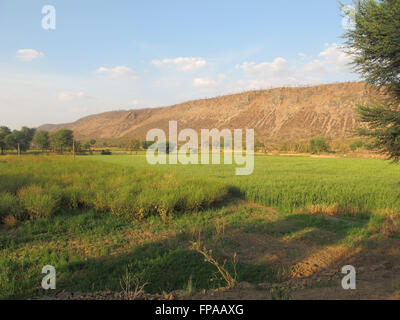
(204, 82)
(28, 54)
(118, 72)
(330, 65)
(70, 96)
(332, 59)
(316, 66)
(182, 63)
(267, 74)
(222, 77)
(135, 103)
(279, 65)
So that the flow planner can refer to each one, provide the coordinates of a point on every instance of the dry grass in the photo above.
(329, 210)
(208, 256)
(132, 286)
(389, 226)
(10, 221)
(220, 226)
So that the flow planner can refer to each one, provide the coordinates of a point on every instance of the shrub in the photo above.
(72, 198)
(318, 145)
(355, 145)
(10, 221)
(369, 146)
(37, 203)
(106, 152)
(9, 206)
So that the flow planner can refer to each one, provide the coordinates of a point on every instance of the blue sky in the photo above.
(110, 55)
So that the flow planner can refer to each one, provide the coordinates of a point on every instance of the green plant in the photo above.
(9, 206)
(356, 145)
(37, 203)
(318, 145)
(190, 288)
(374, 44)
(281, 293)
(106, 152)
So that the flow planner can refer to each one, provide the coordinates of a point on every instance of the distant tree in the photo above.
(42, 140)
(356, 145)
(374, 42)
(106, 152)
(318, 145)
(62, 139)
(259, 146)
(28, 135)
(4, 131)
(90, 144)
(78, 147)
(134, 145)
(369, 146)
(21, 139)
(11, 141)
(163, 146)
(147, 144)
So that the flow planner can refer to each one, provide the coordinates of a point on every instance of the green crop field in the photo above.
(98, 216)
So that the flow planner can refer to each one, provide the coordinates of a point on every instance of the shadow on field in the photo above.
(271, 248)
(168, 264)
(165, 265)
(260, 235)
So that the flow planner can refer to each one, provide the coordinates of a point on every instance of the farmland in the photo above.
(98, 216)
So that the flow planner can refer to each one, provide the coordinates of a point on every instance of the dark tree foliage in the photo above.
(318, 145)
(22, 138)
(41, 139)
(62, 139)
(4, 131)
(147, 144)
(375, 44)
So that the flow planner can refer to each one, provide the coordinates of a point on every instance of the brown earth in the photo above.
(281, 114)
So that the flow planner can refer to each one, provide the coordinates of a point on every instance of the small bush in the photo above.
(281, 293)
(318, 145)
(356, 145)
(369, 146)
(9, 206)
(106, 152)
(331, 210)
(10, 221)
(37, 203)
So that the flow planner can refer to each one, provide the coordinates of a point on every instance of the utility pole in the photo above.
(19, 150)
(73, 148)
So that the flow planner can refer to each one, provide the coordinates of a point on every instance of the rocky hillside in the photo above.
(277, 115)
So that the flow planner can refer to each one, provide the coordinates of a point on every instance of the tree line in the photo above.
(26, 138)
(59, 141)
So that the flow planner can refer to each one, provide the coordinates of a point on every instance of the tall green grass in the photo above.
(37, 187)
(82, 212)
(294, 182)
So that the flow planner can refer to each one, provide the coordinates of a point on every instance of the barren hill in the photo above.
(279, 114)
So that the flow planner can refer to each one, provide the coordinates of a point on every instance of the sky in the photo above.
(120, 55)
